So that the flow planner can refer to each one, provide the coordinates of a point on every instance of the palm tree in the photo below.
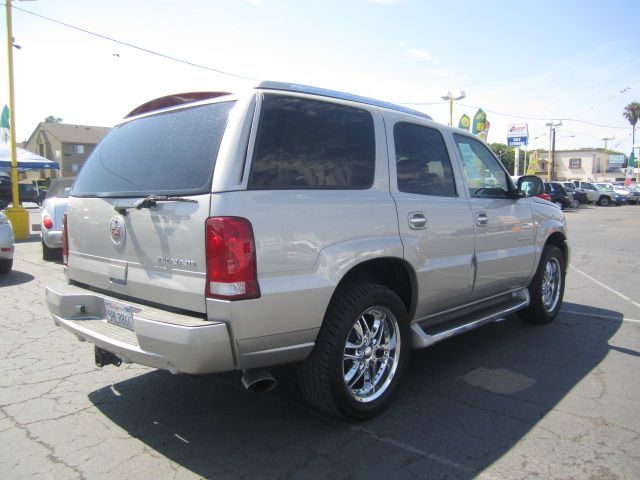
(632, 113)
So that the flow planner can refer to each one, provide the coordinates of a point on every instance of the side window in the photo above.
(311, 144)
(484, 175)
(422, 162)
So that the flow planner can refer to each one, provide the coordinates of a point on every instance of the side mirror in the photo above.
(530, 185)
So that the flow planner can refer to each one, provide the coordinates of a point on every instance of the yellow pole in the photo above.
(18, 216)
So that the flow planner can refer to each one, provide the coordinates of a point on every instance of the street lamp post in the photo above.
(604, 159)
(451, 97)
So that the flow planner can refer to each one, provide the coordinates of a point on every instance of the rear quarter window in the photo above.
(311, 144)
(171, 153)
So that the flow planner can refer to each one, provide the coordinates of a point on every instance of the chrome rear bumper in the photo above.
(174, 342)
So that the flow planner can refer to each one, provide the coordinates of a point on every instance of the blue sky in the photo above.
(539, 60)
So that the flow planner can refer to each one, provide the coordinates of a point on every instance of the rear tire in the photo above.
(50, 254)
(546, 288)
(5, 265)
(360, 354)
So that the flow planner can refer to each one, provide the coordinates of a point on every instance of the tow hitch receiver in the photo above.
(106, 358)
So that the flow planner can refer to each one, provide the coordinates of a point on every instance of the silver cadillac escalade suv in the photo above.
(211, 232)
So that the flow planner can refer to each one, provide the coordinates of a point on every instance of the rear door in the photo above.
(434, 215)
(156, 252)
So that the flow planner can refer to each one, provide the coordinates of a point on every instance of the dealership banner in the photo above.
(518, 135)
(465, 122)
(479, 120)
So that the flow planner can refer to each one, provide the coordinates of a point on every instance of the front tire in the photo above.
(547, 287)
(360, 354)
(604, 202)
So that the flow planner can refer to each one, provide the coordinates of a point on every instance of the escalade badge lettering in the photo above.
(117, 231)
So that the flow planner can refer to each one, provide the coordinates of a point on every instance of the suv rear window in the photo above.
(170, 153)
(313, 144)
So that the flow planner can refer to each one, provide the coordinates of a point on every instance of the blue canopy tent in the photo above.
(26, 160)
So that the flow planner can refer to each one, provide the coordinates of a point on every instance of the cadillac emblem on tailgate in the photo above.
(117, 230)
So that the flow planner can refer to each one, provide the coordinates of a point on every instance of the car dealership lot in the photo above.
(510, 400)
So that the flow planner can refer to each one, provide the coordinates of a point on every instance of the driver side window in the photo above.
(484, 176)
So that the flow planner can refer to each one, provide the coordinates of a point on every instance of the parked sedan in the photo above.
(6, 244)
(633, 197)
(53, 208)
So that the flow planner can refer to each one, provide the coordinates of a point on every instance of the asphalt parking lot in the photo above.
(507, 401)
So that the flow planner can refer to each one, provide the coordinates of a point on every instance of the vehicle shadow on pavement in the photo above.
(464, 404)
(15, 277)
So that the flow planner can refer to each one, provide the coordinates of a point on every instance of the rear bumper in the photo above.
(174, 342)
(6, 242)
(52, 238)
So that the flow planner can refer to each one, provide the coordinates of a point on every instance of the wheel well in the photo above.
(393, 273)
(559, 241)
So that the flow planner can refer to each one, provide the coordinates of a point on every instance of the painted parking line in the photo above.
(597, 315)
(606, 287)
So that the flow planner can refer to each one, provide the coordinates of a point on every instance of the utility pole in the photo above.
(19, 216)
(552, 145)
(606, 139)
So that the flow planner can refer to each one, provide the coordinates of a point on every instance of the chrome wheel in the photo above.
(551, 284)
(371, 354)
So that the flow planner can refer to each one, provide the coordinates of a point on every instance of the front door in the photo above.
(504, 225)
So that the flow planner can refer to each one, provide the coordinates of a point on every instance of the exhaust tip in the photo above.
(258, 381)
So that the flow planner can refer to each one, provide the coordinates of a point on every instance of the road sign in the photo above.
(516, 141)
(616, 160)
(518, 135)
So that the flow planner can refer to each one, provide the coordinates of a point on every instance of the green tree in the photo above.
(52, 119)
(632, 113)
(507, 155)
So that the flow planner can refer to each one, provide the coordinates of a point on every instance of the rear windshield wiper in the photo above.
(151, 201)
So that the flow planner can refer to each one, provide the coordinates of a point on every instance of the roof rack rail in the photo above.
(293, 87)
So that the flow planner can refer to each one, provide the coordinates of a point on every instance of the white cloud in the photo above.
(257, 3)
(417, 54)
(387, 2)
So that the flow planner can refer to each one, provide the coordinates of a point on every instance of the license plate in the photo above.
(119, 315)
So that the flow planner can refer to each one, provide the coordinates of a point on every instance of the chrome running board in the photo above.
(422, 337)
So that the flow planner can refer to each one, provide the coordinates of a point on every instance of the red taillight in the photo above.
(544, 196)
(231, 259)
(65, 240)
(47, 222)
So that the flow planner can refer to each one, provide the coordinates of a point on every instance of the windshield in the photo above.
(60, 188)
(171, 153)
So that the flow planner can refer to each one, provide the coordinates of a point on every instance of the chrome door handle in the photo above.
(482, 220)
(417, 221)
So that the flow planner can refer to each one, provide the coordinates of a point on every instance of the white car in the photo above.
(6, 244)
(53, 208)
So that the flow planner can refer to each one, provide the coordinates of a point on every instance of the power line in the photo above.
(130, 45)
(524, 117)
